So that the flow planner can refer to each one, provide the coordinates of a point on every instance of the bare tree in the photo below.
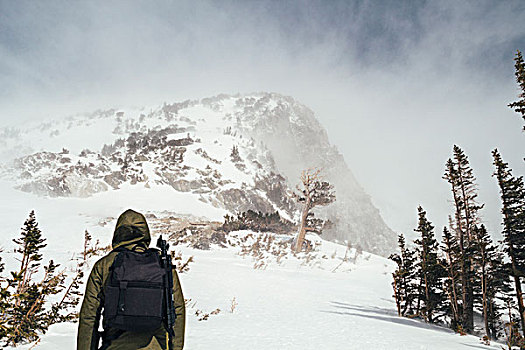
(314, 192)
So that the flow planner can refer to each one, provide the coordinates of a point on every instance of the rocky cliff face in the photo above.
(293, 127)
(233, 152)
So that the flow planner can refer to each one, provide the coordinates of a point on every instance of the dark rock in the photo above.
(202, 244)
(218, 238)
(115, 179)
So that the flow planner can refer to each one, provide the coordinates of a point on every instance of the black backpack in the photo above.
(134, 292)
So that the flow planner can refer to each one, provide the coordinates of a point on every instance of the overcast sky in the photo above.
(395, 83)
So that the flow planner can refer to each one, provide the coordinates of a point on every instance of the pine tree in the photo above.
(29, 245)
(429, 268)
(397, 282)
(25, 302)
(460, 176)
(26, 305)
(314, 224)
(451, 286)
(499, 291)
(489, 262)
(513, 209)
(519, 106)
(513, 337)
(405, 279)
(411, 281)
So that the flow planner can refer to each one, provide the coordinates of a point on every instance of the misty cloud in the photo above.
(395, 84)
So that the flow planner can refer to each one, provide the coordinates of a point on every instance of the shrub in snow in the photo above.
(34, 297)
(234, 304)
(258, 222)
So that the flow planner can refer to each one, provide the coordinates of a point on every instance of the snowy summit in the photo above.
(217, 155)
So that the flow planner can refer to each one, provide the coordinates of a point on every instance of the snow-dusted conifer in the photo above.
(460, 176)
(405, 282)
(431, 272)
(451, 263)
(491, 280)
(29, 245)
(24, 300)
(519, 105)
(512, 193)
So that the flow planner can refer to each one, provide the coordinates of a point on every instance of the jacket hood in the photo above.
(131, 229)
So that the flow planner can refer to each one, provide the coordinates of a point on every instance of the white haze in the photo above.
(396, 84)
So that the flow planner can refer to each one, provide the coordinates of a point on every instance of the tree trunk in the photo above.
(428, 309)
(454, 306)
(302, 229)
(396, 297)
(519, 296)
(407, 297)
(517, 282)
(485, 304)
(468, 307)
(419, 293)
(462, 256)
(464, 282)
(453, 294)
(22, 282)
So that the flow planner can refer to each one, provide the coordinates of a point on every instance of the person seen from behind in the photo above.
(127, 288)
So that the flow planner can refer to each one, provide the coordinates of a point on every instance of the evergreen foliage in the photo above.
(397, 283)
(452, 307)
(28, 295)
(29, 245)
(431, 272)
(493, 281)
(258, 222)
(477, 273)
(405, 282)
(519, 105)
(314, 192)
(512, 194)
(460, 176)
(513, 337)
(317, 225)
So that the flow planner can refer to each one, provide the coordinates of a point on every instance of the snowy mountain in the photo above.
(224, 154)
(185, 166)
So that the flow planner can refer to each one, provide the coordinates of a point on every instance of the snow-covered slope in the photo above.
(329, 299)
(184, 153)
(177, 164)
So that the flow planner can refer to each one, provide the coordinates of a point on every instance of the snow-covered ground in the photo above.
(320, 303)
(291, 305)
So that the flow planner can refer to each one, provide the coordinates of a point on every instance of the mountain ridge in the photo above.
(189, 148)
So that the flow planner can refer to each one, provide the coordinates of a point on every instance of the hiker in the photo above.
(131, 237)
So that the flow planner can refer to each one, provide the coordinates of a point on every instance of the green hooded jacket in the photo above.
(138, 239)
